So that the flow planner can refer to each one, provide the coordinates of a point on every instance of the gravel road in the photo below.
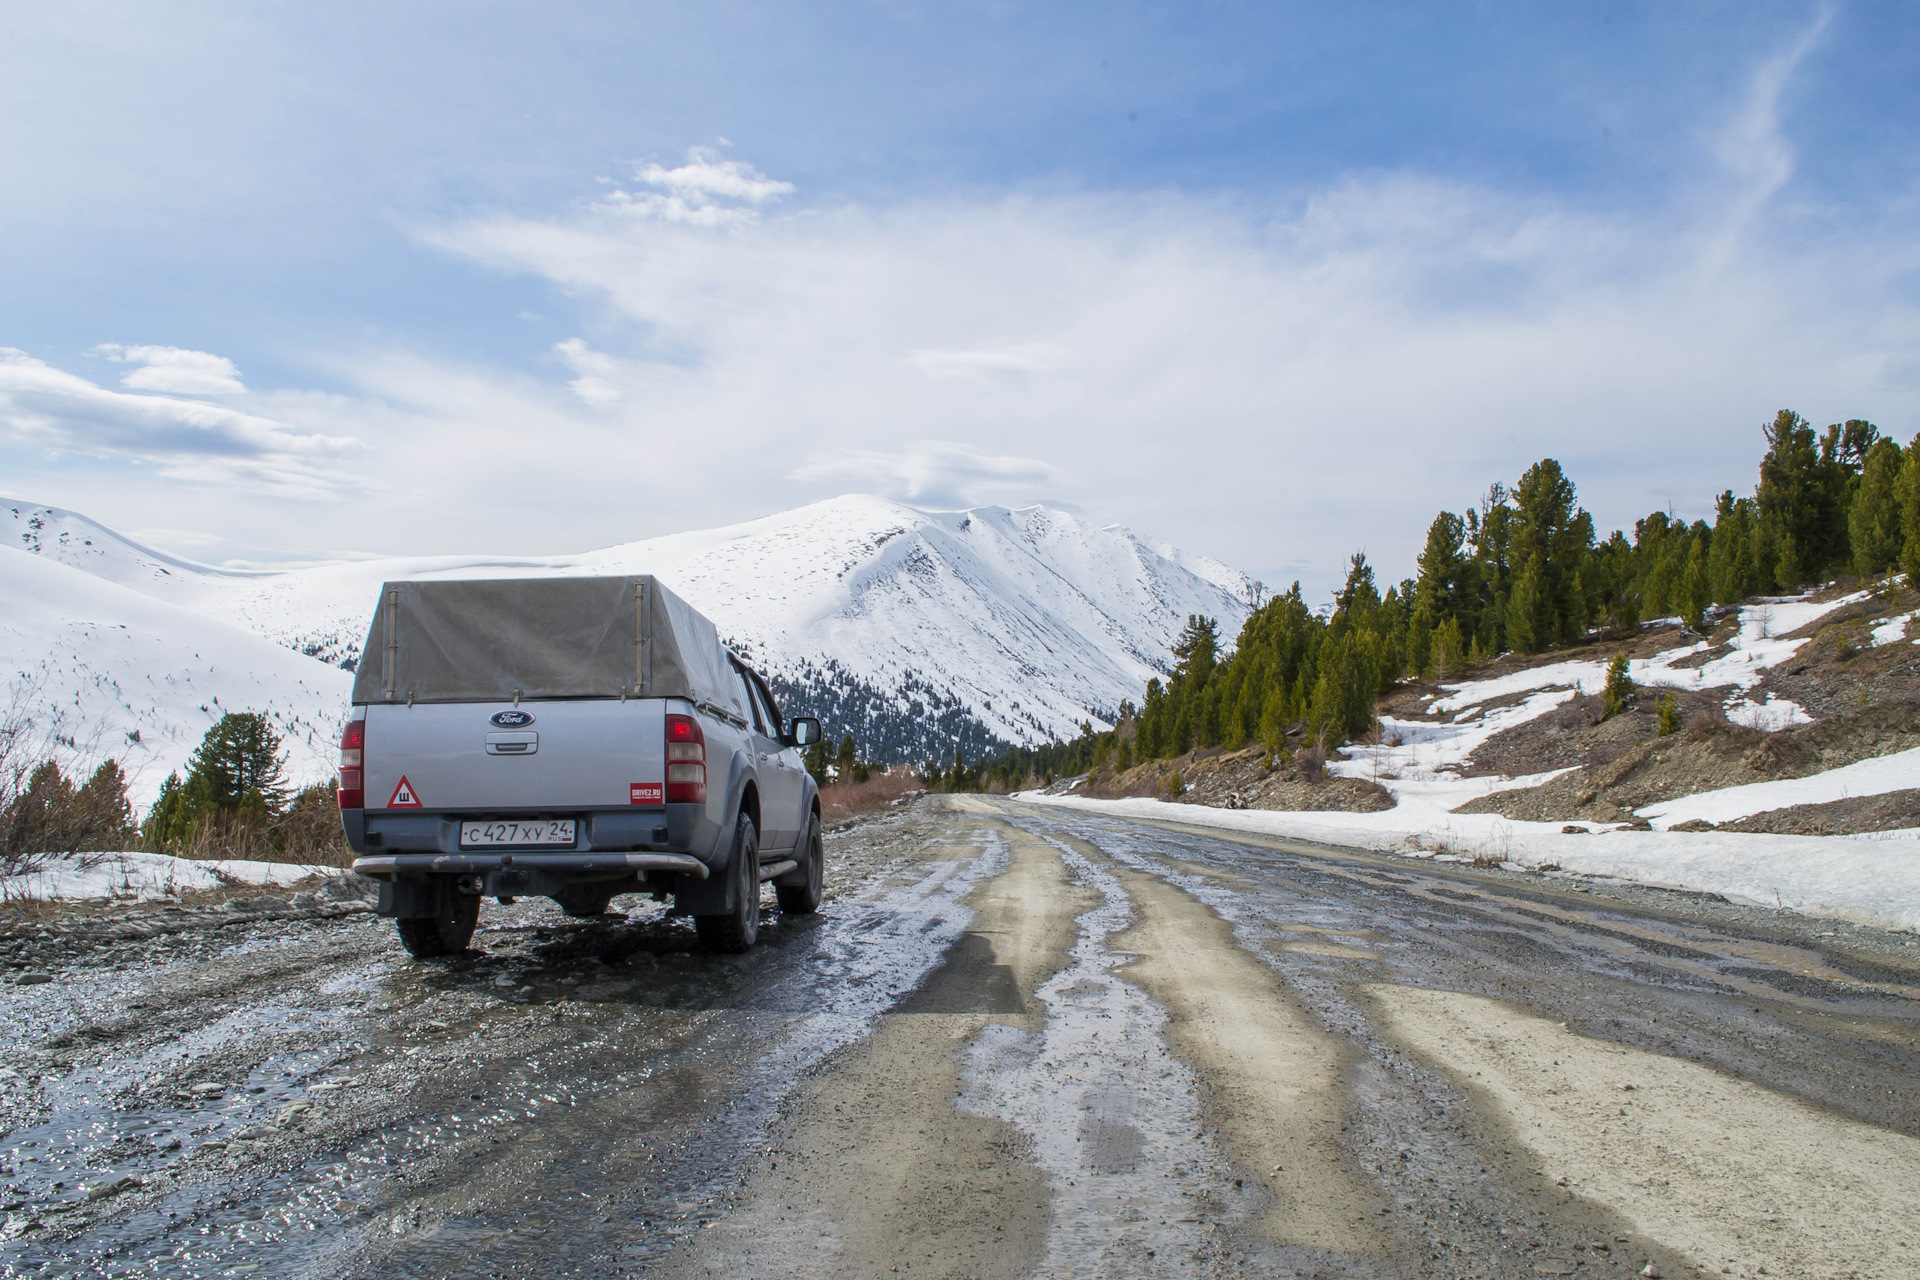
(1014, 1042)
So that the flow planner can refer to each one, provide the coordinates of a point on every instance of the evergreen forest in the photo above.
(1524, 571)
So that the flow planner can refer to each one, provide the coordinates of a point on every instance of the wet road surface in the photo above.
(1015, 1042)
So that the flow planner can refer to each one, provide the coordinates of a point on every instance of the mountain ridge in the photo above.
(914, 630)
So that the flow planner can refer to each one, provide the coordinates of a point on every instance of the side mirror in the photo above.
(805, 731)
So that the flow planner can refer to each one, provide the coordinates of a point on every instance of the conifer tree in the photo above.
(1788, 569)
(1196, 651)
(1420, 646)
(845, 760)
(238, 765)
(1910, 511)
(1525, 629)
(1620, 693)
(1876, 524)
(1693, 596)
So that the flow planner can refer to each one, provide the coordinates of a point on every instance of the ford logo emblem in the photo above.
(512, 719)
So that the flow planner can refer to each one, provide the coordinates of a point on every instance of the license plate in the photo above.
(516, 831)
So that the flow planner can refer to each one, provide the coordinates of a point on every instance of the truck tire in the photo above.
(446, 932)
(583, 900)
(804, 899)
(737, 930)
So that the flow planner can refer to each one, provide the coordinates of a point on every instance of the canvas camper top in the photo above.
(502, 639)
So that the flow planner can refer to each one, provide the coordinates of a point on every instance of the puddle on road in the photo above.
(1112, 1113)
(356, 1202)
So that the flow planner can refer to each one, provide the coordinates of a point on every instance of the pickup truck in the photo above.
(572, 738)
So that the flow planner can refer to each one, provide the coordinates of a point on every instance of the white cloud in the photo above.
(1271, 384)
(705, 191)
(595, 382)
(62, 413)
(175, 369)
(931, 473)
(989, 362)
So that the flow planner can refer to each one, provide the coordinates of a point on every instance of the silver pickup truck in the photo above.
(570, 738)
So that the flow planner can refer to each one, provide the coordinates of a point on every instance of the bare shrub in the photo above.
(1709, 719)
(42, 812)
(308, 832)
(842, 800)
(1311, 763)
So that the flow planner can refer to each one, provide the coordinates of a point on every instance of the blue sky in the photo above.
(1271, 282)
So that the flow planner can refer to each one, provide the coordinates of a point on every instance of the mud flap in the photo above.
(407, 900)
(710, 897)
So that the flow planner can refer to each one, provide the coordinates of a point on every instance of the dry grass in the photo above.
(840, 801)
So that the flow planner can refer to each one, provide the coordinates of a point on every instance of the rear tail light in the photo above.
(353, 745)
(686, 761)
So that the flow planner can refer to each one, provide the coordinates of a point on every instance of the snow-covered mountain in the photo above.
(912, 629)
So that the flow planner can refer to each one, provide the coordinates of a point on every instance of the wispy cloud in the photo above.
(989, 362)
(596, 370)
(191, 440)
(934, 473)
(706, 191)
(1751, 146)
(1272, 382)
(175, 369)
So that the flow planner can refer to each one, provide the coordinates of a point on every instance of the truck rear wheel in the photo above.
(737, 930)
(446, 932)
(804, 899)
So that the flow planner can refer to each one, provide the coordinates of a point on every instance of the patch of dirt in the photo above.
(1706, 756)
(1570, 735)
(1895, 811)
(1242, 780)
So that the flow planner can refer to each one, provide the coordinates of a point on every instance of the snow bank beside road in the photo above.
(1873, 882)
(1897, 772)
(145, 877)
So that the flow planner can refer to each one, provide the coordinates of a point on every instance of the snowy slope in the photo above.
(1030, 620)
(106, 670)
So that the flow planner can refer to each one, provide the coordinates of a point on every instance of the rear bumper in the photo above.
(407, 879)
(388, 866)
(672, 829)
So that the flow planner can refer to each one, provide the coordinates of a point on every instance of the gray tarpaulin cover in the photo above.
(484, 639)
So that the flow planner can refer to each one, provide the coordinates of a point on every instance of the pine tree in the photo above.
(847, 758)
(1667, 712)
(1910, 512)
(1550, 526)
(1799, 497)
(1620, 693)
(1449, 653)
(1525, 629)
(1420, 646)
(1197, 651)
(1693, 596)
(1876, 523)
(1788, 569)
(1273, 721)
(237, 766)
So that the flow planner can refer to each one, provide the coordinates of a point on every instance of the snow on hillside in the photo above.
(1022, 622)
(109, 671)
(1872, 880)
(1425, 749)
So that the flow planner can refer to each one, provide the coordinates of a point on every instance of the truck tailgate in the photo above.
(586, 754)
